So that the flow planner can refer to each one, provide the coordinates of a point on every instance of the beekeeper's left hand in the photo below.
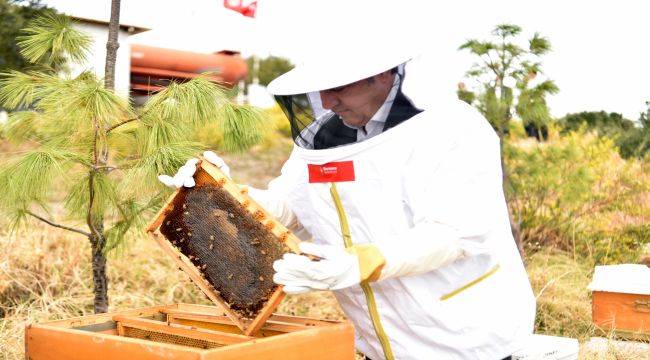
(336, 269)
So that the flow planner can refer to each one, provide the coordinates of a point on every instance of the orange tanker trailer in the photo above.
(152, 68)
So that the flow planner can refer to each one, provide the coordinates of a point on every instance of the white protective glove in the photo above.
(339, 268)
(185, 174)
(336, 269)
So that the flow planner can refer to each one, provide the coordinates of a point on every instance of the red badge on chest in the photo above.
(331, 172)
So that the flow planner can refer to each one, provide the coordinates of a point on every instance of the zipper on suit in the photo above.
(365, 286)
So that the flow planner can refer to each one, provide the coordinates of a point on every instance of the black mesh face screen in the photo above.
(233, 250)
(298, 110)
(314, 126)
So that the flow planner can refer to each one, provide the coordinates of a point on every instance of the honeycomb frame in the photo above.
(209, 174)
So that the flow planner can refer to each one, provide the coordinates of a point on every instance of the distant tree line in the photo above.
(269, 68)
(632, 139)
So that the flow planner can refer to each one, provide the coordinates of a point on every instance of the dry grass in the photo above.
(45, 275)
(563, 301)
(608, 348)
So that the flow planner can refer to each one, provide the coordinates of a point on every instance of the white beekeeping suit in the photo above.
(426, 197)
(409, 221)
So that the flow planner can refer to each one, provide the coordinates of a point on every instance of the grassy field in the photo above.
(45, 275)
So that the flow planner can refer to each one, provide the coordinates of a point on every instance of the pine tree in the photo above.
(89, 143)
(501, 64)
(504, 73)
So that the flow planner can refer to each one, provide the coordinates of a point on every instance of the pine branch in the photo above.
(106, 168)
(129, 220)
(57, 225)
(113, 127)
(121, 123)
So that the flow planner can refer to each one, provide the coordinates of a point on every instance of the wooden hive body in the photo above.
(628, 314)
(186, 332)
(621, 300)
(226, 243)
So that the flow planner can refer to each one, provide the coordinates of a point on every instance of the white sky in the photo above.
(601, 48)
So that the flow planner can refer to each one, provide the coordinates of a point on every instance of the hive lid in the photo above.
(624, 278)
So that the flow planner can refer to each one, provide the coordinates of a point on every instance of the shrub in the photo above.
(570, 193)
(280, 121)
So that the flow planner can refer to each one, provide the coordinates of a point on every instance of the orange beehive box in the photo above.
(183, 332)
(621, 299)
(226, 243)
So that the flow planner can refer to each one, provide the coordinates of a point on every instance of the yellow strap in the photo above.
(367, 290)
(472, 283)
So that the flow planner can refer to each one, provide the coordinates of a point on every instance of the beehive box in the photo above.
(621, 299)
(184, 332)
(226, 243)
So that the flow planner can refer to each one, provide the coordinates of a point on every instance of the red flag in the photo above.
(247, 9)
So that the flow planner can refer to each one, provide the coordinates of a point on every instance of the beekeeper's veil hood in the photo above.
(317, 123)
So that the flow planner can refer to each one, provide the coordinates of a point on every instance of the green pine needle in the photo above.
(78, 197)
(506, 30)
(18, 89)
(16, 217)
(29, 177)
(133, 220)
(192, 103)
(162, 106)
(243, 127)
(83, 101)
(200, 100)
(142, 176)
(51, 37)
(539, 45)
(21, 126)
(73, 104)
(162, 134)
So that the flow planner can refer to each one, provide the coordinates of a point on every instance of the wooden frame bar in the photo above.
(178, 329)
(273, 326)
(208, 173)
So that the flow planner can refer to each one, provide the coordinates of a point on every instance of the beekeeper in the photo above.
(402, 195)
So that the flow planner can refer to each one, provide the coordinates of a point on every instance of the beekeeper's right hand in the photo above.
(185, 174)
